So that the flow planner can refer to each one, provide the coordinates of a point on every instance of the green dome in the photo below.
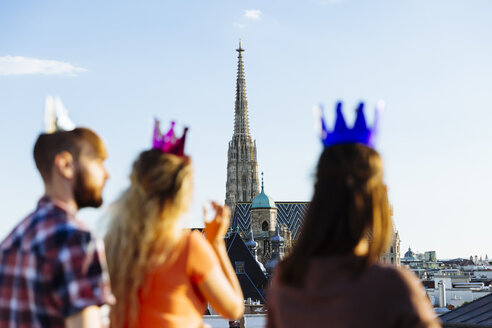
(263, 200)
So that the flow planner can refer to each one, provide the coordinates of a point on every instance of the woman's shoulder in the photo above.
(402, 287)
(188, 244)
(407, 296)
(198, 245)
(196, 238)
(201, 256)
(394, 278)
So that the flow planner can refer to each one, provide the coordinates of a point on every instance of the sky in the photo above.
(117, 64)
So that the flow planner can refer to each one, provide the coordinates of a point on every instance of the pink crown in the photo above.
(168, 143)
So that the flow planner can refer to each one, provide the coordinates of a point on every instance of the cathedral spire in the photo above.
(241, 124)
(242, 183)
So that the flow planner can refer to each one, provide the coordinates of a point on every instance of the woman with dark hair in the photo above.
(161, 274)
(332, 276)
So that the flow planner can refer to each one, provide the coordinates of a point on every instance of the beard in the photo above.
(86, 195)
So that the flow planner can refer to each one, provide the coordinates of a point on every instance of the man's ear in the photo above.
(64, 164)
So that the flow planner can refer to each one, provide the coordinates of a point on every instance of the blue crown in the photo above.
(359, 133)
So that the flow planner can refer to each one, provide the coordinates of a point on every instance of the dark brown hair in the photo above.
(47, 146)
(349, 203)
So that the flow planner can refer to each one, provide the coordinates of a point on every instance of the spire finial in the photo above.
(240, 49)
(262, 181)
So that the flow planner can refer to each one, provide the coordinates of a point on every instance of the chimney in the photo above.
(442, 294)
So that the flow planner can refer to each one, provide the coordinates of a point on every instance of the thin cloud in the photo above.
(253, 14)
(17, 65)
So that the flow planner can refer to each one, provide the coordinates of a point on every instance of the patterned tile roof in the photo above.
(289, 213)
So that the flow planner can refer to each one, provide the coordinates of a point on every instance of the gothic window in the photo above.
(392, 261)
(264, 226)
(244, 196)
(391, 250)
(239, 266)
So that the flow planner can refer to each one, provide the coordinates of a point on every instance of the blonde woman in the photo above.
(161, 274)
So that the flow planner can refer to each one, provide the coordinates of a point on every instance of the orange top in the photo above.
(171, 297)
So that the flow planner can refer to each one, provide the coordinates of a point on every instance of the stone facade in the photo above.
(392, 256)
(264, 219)
(264, 225)
(263, 222)
(242, 166)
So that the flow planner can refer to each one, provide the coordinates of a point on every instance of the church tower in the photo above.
(242, 166)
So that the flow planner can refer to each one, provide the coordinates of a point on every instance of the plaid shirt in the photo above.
(51, 267)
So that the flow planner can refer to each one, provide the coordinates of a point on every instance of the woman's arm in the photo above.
(221, 287)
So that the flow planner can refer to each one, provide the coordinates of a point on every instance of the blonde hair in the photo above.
(143, 228)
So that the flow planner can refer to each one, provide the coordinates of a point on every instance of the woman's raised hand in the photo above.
(221, 287)
(217, 228)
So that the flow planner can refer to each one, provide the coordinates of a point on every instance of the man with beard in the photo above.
(52, 268)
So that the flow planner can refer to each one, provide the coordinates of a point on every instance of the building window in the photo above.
(239, 266)
(264, 226)
(391, 250)
(392, 261)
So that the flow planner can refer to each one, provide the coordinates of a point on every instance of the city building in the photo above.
(392, 256)
(242, 165)
(250, 272)
(268, 228)
(274, 226)
(450, 283)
